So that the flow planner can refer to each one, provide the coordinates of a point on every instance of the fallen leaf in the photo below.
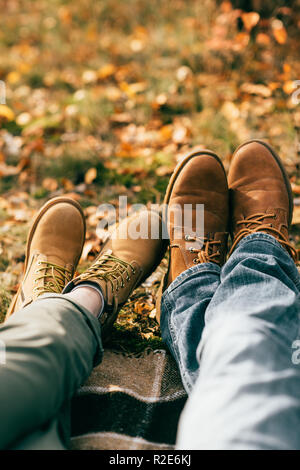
(295, 188)
(296, 215)
(163, 170)
(256, 89)
(262, 39)
(106, 71)
(250, 19)
(8, 170)
(289, 87)
(152, 314)
(90, 176)
(279, 31)
(6, 112)
(67, 184)
(86, 249)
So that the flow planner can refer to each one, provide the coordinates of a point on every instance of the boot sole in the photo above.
(41, 212)
(167, 197)
(283, 171)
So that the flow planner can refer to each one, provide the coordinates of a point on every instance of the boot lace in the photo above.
(56, 277)
(255, 223)
(205, 253)
(111, 269)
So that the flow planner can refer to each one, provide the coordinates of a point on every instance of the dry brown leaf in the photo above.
(67, 184)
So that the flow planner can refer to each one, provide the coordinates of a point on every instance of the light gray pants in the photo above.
(48, 350)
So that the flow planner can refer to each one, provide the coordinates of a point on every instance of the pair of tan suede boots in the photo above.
(255, 197)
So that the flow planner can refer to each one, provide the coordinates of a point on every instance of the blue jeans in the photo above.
(232, 332)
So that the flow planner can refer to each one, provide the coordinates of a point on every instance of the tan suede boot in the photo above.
(199, 179)
(125, 262)
(261, 195)
(53, 249)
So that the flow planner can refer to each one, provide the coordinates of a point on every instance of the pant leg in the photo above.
(247, 395)
(182, 316)
(46, 438)
(51, 347)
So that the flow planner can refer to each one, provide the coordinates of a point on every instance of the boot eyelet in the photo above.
(195, 260)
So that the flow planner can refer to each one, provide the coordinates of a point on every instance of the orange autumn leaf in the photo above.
(6, 112)
(106, 71)
(289, 87)
(250, 19)
(279, 31)
(280, 35)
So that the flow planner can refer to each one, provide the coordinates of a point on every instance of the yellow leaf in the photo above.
(90, 175)
(13, 77)
(6, 112)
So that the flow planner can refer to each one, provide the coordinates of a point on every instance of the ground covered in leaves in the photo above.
(103, 98)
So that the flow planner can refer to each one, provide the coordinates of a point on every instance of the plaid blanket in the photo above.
(129, 402)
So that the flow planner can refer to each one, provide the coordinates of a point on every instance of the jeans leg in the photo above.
(247, 395)
(182, 316)
(51, 347)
